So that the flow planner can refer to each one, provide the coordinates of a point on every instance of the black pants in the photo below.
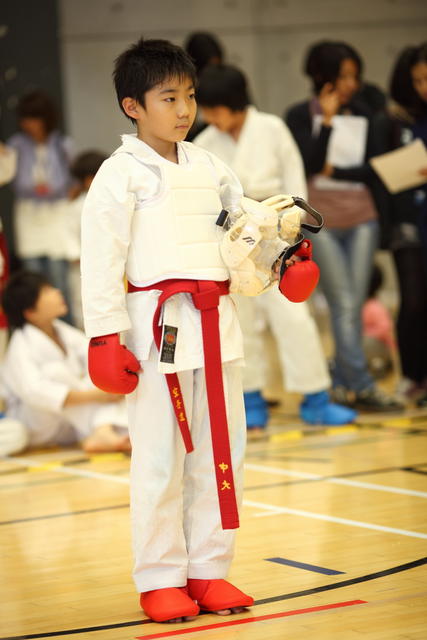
(412, 316)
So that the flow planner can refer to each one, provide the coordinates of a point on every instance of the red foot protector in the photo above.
(166, 604)
(298, 281)
(112, 367)
(215, 595)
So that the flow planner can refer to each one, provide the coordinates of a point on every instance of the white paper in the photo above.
(346, 148)
(399, 169)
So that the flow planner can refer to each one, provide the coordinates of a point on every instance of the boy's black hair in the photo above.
(323, 61)
(401, 86)
(38, 104)
(204, 48)
(221, 85)
(20, 294)
(146, 64)
(87, 164)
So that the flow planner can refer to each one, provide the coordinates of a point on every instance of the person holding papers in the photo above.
(405, 212)
(334, 136)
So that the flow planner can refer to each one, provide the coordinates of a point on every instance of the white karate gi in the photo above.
(175, 515)
(267, 161)
(36, 377)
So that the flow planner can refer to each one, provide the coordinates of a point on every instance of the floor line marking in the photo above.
(333, 480)
(271, 509)
(72, 471)
(414, 470)
(284, 596)
(232, 623)
(344, 583)
(268, 509)
(304, 565)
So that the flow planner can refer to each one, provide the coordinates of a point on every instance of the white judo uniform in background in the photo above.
(154, 220)
(36, 377)
(267, 161)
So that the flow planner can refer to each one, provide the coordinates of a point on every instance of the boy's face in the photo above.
(50, 305)
(221, 117)
(169, 112)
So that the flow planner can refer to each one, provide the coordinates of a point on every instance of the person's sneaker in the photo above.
(341, 395)
(374, 399)
(316, 408)
(408, 390)
(422, 401)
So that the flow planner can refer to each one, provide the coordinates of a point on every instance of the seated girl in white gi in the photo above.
(44, 373)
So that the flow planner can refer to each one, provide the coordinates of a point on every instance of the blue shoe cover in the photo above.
(256, 410)
(316, 408)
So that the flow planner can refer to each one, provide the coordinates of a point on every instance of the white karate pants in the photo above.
(176, 524)
(297, 338)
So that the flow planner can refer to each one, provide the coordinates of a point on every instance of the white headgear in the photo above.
(258, 235)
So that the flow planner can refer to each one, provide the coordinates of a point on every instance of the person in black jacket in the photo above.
(405, 214)
(334, 135)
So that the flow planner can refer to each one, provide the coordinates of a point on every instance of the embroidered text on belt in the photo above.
(205, 295)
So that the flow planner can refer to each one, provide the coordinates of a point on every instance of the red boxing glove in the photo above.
(299, 279)
(112, 367)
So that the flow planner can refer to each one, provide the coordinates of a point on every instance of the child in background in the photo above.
(204, 49)
(83, 169)
(41, 185)
(235, 129)
(44, 373)
(378, 335)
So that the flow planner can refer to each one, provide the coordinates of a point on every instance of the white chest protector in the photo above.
(259, 236)
(174, 234)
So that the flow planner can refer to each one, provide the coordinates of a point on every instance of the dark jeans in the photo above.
(345, 258)
(412, 316)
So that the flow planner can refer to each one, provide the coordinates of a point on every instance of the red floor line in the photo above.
(270, 616)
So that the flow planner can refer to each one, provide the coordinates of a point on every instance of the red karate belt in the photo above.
(205, 295)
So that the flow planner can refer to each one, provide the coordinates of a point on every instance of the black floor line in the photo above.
(414, 469)
(66, 514)
(286, 596)
(271, 485)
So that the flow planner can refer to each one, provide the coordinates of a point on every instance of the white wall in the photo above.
(266, 38)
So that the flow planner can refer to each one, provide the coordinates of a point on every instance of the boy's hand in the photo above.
(112, 367)
(299, 279)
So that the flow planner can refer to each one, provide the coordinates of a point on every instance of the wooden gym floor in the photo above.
(332, 545)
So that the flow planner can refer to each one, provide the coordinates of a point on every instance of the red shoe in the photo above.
(216, 595)
(167, 604)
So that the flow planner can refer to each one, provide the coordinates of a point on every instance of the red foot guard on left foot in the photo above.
(167, 604)
(217, 595)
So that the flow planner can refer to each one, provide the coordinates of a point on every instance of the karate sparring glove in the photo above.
(112, 367)
(298, 280)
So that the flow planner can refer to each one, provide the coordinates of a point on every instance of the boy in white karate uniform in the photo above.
(150, 215)
(263, 154)
(44, 373)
